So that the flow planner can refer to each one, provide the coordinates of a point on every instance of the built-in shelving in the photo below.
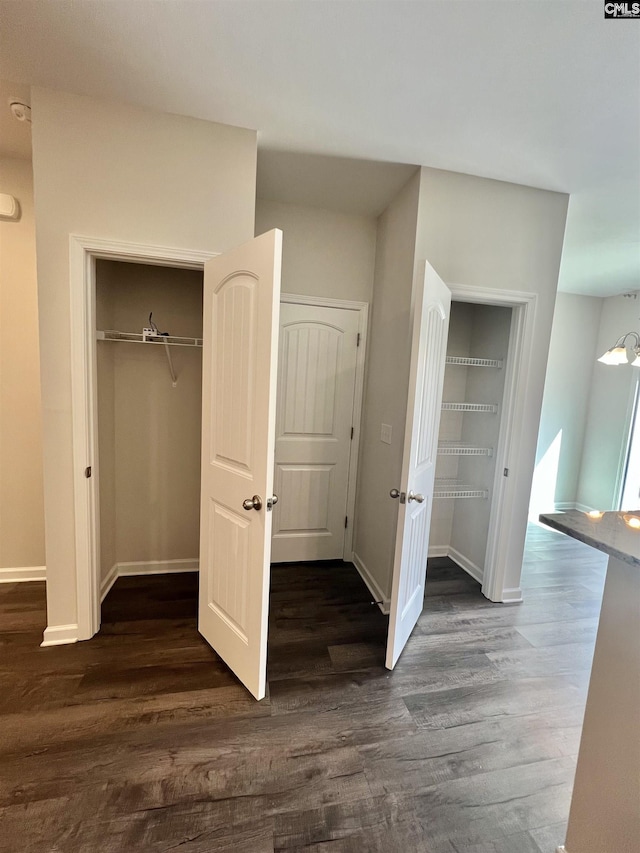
(490, 408)
(134, 338)
(473, 362)
(457, 448)
(449, 488)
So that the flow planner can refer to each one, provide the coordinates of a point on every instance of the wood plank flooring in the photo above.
(142, 740)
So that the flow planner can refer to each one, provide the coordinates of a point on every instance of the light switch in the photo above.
(385, 433)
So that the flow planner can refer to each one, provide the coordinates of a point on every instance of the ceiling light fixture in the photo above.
(618, 354)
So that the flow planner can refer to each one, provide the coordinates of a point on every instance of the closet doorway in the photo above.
(137, 385)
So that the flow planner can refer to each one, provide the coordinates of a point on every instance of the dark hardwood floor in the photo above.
(142, 740)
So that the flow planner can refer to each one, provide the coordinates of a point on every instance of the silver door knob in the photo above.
(271, 502)
(252, 503)
(394, 493)
(417, 498)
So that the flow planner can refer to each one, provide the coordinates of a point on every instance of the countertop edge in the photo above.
(562, 522)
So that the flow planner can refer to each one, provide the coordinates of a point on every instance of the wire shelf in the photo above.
(134, 338)
(454, 448)
(470, 407)
(474, 362)
(446, 488)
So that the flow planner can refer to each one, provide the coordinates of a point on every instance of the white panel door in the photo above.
(316, 387)
(432, 305)
(240, 344)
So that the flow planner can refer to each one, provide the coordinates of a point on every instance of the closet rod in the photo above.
(133, 338)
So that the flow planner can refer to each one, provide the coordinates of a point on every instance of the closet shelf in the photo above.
(456, 448)
(134, 338)
(474, 362)
(447, 488)
(470, 407)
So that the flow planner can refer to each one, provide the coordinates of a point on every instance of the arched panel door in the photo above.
(432, 306)
(240, 344)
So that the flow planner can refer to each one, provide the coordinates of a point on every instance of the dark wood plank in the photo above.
(142, 739)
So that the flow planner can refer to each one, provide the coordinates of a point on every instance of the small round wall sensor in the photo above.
(20, 110)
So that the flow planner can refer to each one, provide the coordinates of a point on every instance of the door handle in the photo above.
(394, 493)
(271, 502)
(417, 498)
(252, 503)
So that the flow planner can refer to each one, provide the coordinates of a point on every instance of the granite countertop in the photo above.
(615, 533)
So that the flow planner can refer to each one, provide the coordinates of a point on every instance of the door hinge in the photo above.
(351, 433)
(87, 471)
(358, 340)
(346, 521)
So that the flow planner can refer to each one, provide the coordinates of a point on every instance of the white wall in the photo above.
(149, 431)
(387, 381)
(324, 252)
(21, 493)
(567, 387)
(609, 409)
(110, 170)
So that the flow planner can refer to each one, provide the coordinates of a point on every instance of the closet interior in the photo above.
(149, 381)
(470, 422)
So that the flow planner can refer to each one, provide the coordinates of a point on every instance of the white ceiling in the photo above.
(539, 93)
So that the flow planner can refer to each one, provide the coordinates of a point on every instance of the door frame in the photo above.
(502, 538)
(362, 308)
(83, 253)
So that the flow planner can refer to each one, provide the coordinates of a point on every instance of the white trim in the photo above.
(438, 551)
(157, 567)
(584, 507)
(323, 302)
(60, 635)
(83, 252)
(561, 849)
(517, 367)
(465, 563)
(23, 574)
(145, 567)
(380, 599)
(511, 595)
(358, 395)
(459, 559)
(108, 582)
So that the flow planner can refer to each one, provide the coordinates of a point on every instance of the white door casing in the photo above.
(431, 310)
(314, 428)
(240, 335)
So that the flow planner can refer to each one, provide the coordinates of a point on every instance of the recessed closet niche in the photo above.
(469, 432)
(149, 417)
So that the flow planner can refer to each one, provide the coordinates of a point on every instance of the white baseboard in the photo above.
(149, 567)
(383, 602)
(23, 574)
(465, 563)
(438, 551)
(512, 595)
(157, 567)
(585, 508)
(447, 551)
(108, 582)
(58, 635)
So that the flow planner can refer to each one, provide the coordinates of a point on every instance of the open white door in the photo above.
(432, 304)
(240, 346)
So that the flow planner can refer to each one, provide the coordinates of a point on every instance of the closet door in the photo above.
(240, 345)
(432, 305)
